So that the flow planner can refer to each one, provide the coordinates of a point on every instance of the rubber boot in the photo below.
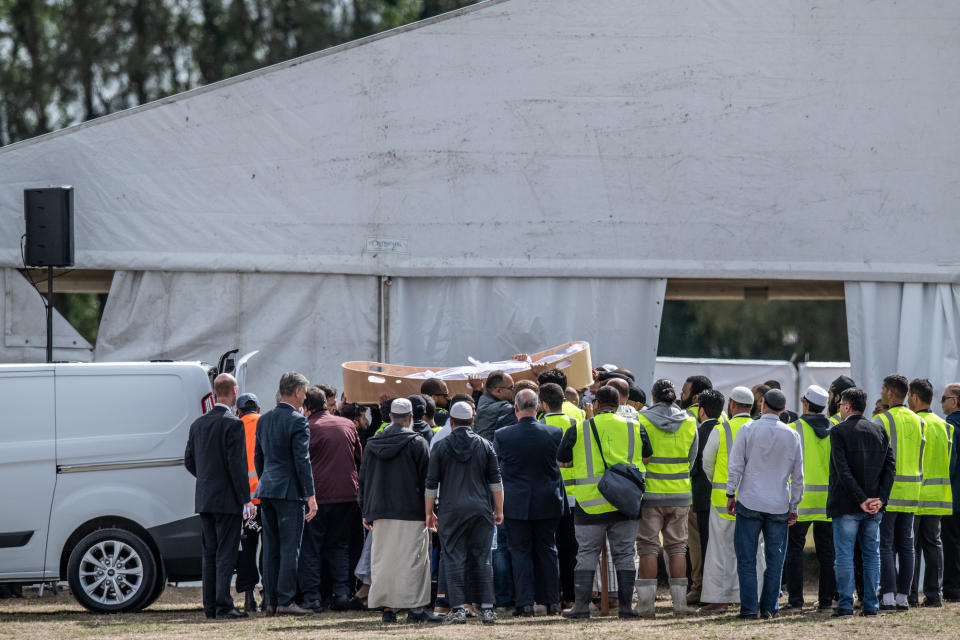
(625, 580)
(582, 593)
(678, 591)
(646, 597)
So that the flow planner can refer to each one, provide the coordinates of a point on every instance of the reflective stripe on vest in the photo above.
(564, 422)
(718, 496)
(905, 430)
(668, 472)
(816, 473)
(588, 465)
(936, 495)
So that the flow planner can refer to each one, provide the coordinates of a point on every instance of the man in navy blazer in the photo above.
(533, 504)
(282, 460)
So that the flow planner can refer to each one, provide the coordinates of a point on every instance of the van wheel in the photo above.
(112, 571)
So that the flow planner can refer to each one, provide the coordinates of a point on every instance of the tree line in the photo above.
(68, 61)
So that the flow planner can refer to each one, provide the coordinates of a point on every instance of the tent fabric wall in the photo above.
(442, 321)
(25, 329)
(820, 373)
(907, 328)
(544, 138)
(727, 374)
(298, 322)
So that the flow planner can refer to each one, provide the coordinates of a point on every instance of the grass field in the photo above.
(177, 615)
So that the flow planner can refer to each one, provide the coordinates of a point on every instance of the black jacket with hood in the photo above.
(465, 464)
(392, 475)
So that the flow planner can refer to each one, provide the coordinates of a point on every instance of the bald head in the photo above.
(622, 387)
(225, 388)
(525, 403)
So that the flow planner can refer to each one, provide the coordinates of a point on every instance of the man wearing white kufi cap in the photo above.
(814, 430)
(720, 581)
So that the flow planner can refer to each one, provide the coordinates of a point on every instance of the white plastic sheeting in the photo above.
(442, 321)
(727, 374)
(820, 373)
(304, 323)
(25, 325)
(545, 138)
(907, 328)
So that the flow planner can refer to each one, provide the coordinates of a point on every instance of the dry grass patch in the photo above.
(178, 615)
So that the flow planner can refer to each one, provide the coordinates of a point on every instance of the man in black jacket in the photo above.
(466, 466)
(709, 407)
(391, 486)
(862, 467)
(216, 455)
(282, 460)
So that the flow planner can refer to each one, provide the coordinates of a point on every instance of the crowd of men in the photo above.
(472, 504)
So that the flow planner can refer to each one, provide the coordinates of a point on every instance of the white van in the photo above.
(92, 480)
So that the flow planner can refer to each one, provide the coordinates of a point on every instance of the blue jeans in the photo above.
(896, 543)
(746, 539)
(849, 529)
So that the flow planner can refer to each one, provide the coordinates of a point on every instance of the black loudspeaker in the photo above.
(49, 216)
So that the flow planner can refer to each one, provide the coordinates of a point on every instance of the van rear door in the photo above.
(28, 467)
(241, 372)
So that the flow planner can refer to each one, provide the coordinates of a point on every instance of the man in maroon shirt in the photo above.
(335, 456)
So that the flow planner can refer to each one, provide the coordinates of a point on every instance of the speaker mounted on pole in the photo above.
(49, 217)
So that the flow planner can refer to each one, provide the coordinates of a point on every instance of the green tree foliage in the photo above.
(67, 61)
(775, 329)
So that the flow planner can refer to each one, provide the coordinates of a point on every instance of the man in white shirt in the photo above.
(766, 457)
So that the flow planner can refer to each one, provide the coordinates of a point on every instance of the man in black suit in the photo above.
(216, 455)
(533, 504)
(282, 460)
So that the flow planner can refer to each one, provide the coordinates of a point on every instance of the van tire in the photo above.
(112, 571)
(158, 586)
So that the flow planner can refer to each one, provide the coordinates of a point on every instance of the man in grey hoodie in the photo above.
(666, 503)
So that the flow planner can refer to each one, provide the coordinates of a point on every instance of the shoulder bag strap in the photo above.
(593, 427)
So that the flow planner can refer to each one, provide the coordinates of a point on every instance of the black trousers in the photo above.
(282, 532)
(793, 567)
(566, 555)
(533, 549)
(248, 567)
(950, 535)
(926, 540)
(219, 538)
(467, 552)
(326, 544)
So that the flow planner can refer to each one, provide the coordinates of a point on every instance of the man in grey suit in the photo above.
(282, 460)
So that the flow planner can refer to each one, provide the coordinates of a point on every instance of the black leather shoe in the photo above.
(388, 616)
(553, 609)
(888, 607)
(842, 613)
(932, 603)
(269, 610)
(523, 612)
(233, 614)
(869, 612)
(314, 605)
(292, 609)
(903, 607)
(423, 616)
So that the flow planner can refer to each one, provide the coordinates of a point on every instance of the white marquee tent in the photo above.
(522, 173)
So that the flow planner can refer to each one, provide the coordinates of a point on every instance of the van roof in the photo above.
(98, 367)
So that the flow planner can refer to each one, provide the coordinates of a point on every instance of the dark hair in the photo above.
(432, 387)
(663, 391)
(773, 384)
(856, 397)
(431, 409)
(418, 405)
(461, 397)
(328, 390)
(350, 410)
(608, 397)
(711, 401)
(638, 395)
(493, 380)
(626, 373)
(923, 389)
(610, 375)
(897, 384)
(316, 399)
(553, 375)
(551, 394)
(699, 384)
(814, 408)
(385, 408)
(458, 422)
